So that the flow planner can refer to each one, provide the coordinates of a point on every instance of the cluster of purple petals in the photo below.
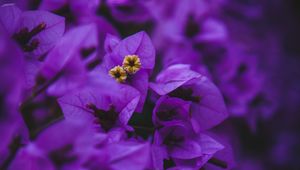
(205, 87)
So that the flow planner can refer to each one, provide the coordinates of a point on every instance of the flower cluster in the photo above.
(138, 85)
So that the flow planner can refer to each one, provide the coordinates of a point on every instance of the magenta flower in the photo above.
(241, 81)
(172, 110)
(186, 149)
(67, 64)
(207, 104)
(187, 22)
(30, 158)
(55, 153)
(95, 104)
(36, 32)
(223, 159)
(140, 46)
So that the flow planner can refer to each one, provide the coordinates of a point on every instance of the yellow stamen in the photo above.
(132, 64)
(118, 73)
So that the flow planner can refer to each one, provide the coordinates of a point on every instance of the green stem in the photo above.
(150, 129)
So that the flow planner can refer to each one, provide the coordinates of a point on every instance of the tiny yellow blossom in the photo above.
(132, 64)
(118, 73)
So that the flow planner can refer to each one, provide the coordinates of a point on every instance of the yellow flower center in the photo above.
(118, 73)
(132, 64)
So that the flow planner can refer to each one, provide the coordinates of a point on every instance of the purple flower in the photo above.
(36, 32)
(109, 109)
(54, 153)
(223, 159)
(172, 110)
(138, 44)
(187, 22)
(240, 81)
(31, 158)
(81, 147)
(186, 149)
(138, 50)
(207, 104)
(67, 63)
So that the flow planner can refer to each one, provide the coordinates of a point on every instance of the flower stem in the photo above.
(150, 129)
(14, 146)
(218, 162)
(27, 116)
(42, 89)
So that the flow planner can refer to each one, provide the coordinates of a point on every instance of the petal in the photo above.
(131, 155)
(166, 103)
(31, 158)
(189, 149)
(185, 148)
(209, 148)
(73, 77)
(64, 133)
(138, 44)
(211, 110)
(123, 97)
(74, 104)
(128, 110)
(115, 135)
(64, 62)
(31, 71)
(140, 82)
(55, 27)
(68, 48)
(10, 17)
(172, 78)
(213, 31)
(110, 42)
(158, 154)
(225, 154)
